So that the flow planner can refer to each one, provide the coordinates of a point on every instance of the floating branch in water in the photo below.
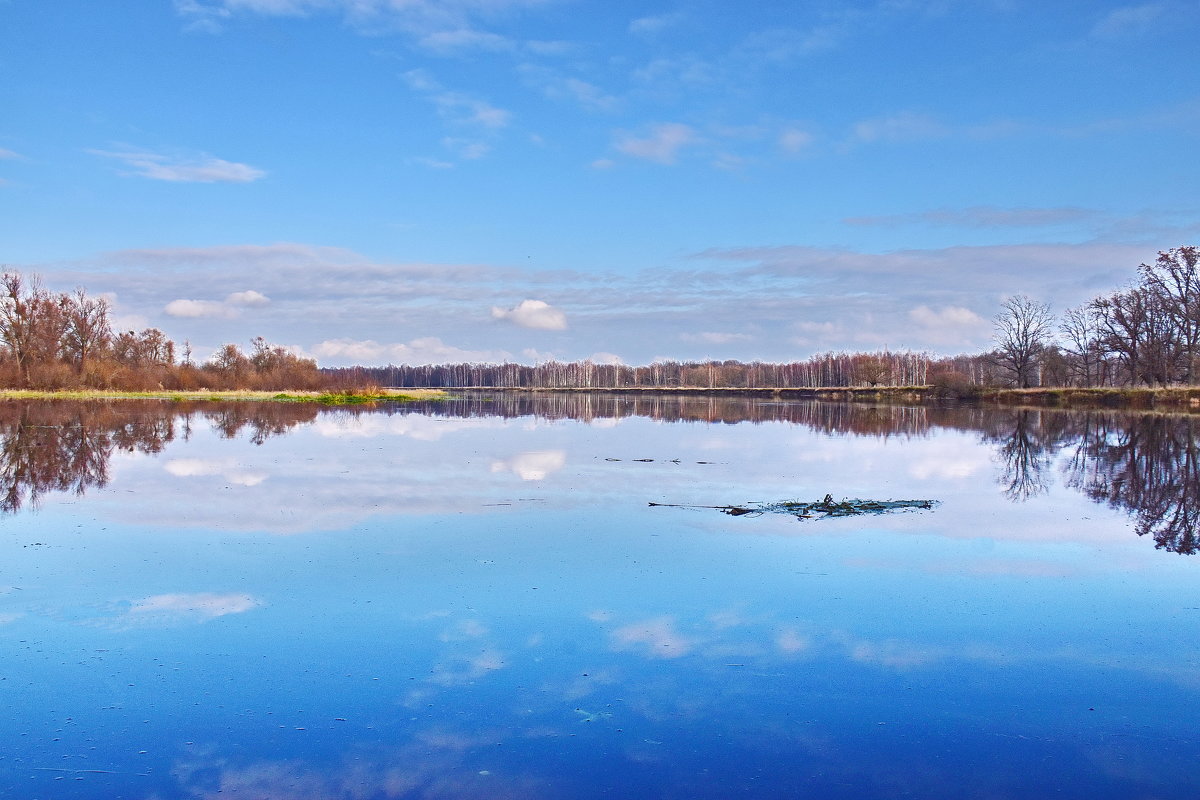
(820, 509)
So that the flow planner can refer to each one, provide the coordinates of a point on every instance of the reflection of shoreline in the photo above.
(1147, 465)
(66, 446)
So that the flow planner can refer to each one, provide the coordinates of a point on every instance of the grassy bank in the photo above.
(1179, 398)
(324, 398)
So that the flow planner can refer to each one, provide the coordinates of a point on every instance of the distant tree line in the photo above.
(829, 369)
(66, 340)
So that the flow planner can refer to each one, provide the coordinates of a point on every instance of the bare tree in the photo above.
(1175, 278)
(1023, 329)
(150, 348)
(87, 330)
(1135, 327)
(32, 322)
(230, 361)
(870, 369)
(1081, 344)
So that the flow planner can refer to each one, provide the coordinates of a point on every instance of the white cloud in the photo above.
(198, 309)
(455, 106)
(952, 326)
(536, 314)
(661, 146)
(603, 357)
(229, 308)
(199, 168)
(603, 163)
(537, 356)
(248, 298)
(7, 154)
(428, 350)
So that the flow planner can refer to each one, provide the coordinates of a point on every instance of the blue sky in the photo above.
(413, 181)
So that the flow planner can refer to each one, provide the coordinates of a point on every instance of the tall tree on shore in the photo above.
(1080, 330)
(1023, 329)
(87, 331)
(32, 322)
(1174, 277)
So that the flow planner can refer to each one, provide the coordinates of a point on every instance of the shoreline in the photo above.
(333, 398)
(1186, 398)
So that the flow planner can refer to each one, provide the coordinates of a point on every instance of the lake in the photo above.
(476, 599)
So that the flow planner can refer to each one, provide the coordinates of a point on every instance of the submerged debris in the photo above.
(820, 509)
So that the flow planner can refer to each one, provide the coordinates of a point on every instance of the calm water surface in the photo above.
(476, 600)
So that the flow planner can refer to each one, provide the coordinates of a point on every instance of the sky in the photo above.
(427, 181)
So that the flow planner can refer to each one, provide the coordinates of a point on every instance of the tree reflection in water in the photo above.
(66, 446)
(1147, 464)
(1026, 441)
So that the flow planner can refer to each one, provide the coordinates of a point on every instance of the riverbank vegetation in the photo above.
(63, 341)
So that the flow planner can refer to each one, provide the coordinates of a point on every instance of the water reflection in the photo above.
(1025, 442)
(486, 606)
(66, 446)
(1147, 465)
(1151, 468)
